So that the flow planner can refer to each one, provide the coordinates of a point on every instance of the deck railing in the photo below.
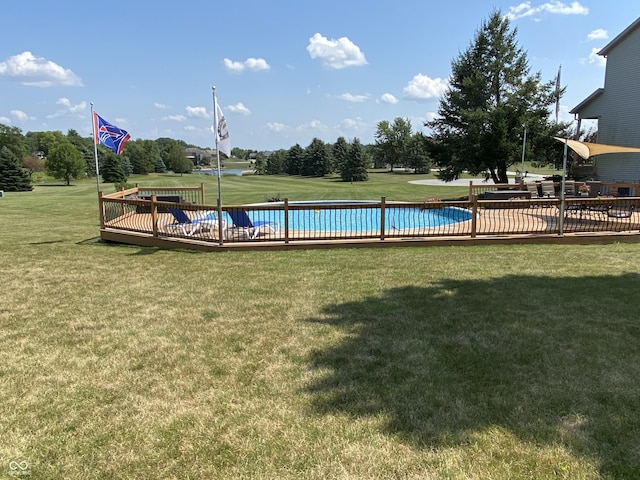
(148, 212)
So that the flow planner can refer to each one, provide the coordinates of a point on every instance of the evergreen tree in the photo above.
(340, 151)
(13, 178)
(111, 170)
(295, 159)
(160, 167)
(490, 97)
(127, 168)
(355, 168)
(316, 159)
(276, 162)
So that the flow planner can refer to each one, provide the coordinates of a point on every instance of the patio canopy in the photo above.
(588, 149)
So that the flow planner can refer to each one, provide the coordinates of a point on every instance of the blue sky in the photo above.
(285, 71)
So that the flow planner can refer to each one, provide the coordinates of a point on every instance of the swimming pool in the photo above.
(350, 217)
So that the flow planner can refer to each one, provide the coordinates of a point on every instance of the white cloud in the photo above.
(200, 112)
(256, 64)
(276, 127)
(422, 87)
(233, 66)
(160, 106)
(335, 54)
(239, 108)
(20, 115)
(68, 108)
(38, 72)
(80, 107)
(5, 120)
(598, 34)
(312, 125)
(596, 59)
(353, 124)
(388, 98)
(349, 97)
(554, 7)
(175, 118)
(253, 64)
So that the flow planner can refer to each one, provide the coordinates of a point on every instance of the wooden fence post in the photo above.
(154, 215)
(383, 203)
(286, 220)
(474, 212)
(101, 205)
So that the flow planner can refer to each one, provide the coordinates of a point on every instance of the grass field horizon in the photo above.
(488, 362)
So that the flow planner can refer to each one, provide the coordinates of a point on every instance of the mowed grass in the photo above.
(493, 362)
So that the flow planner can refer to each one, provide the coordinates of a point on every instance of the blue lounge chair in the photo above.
(190, 227)
(243, 223)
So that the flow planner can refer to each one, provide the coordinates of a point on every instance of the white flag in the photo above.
(223, 143)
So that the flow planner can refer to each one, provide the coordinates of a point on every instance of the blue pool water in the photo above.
(361, 219)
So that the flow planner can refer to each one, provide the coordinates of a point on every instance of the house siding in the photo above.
(618, 110)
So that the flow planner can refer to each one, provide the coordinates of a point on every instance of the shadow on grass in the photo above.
(555, 361)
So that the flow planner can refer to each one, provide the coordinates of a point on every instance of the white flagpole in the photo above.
(95, 148)
(217, 134)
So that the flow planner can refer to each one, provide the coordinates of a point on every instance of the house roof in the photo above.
(587, 101)
(625, 33)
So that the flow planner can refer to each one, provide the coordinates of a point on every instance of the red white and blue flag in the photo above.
(109, 135)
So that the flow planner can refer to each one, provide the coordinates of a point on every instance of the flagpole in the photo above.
(95, 148)
(217, 133)
(558, 93)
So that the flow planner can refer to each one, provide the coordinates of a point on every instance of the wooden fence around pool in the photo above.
(180, 214)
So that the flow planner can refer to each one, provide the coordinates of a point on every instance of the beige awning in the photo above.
(588, 149)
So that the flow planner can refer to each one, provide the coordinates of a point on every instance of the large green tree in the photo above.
(176, 159)
(392, 141)
(143, 155)
(65, 162)
(492, 96)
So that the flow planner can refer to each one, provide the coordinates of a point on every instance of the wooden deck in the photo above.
(525, 224)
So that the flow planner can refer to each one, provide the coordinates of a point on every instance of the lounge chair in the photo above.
(622, 211)
(189, 227)
(548, 188)
(243, 223)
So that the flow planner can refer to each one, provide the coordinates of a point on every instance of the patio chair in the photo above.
(570, 188)
(189, 227)
(595, 188)
(242, 223)
(548, 189)
(532, 187)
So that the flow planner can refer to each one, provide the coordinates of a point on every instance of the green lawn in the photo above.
(493, 362)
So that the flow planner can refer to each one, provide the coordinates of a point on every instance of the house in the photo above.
(616, 107)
